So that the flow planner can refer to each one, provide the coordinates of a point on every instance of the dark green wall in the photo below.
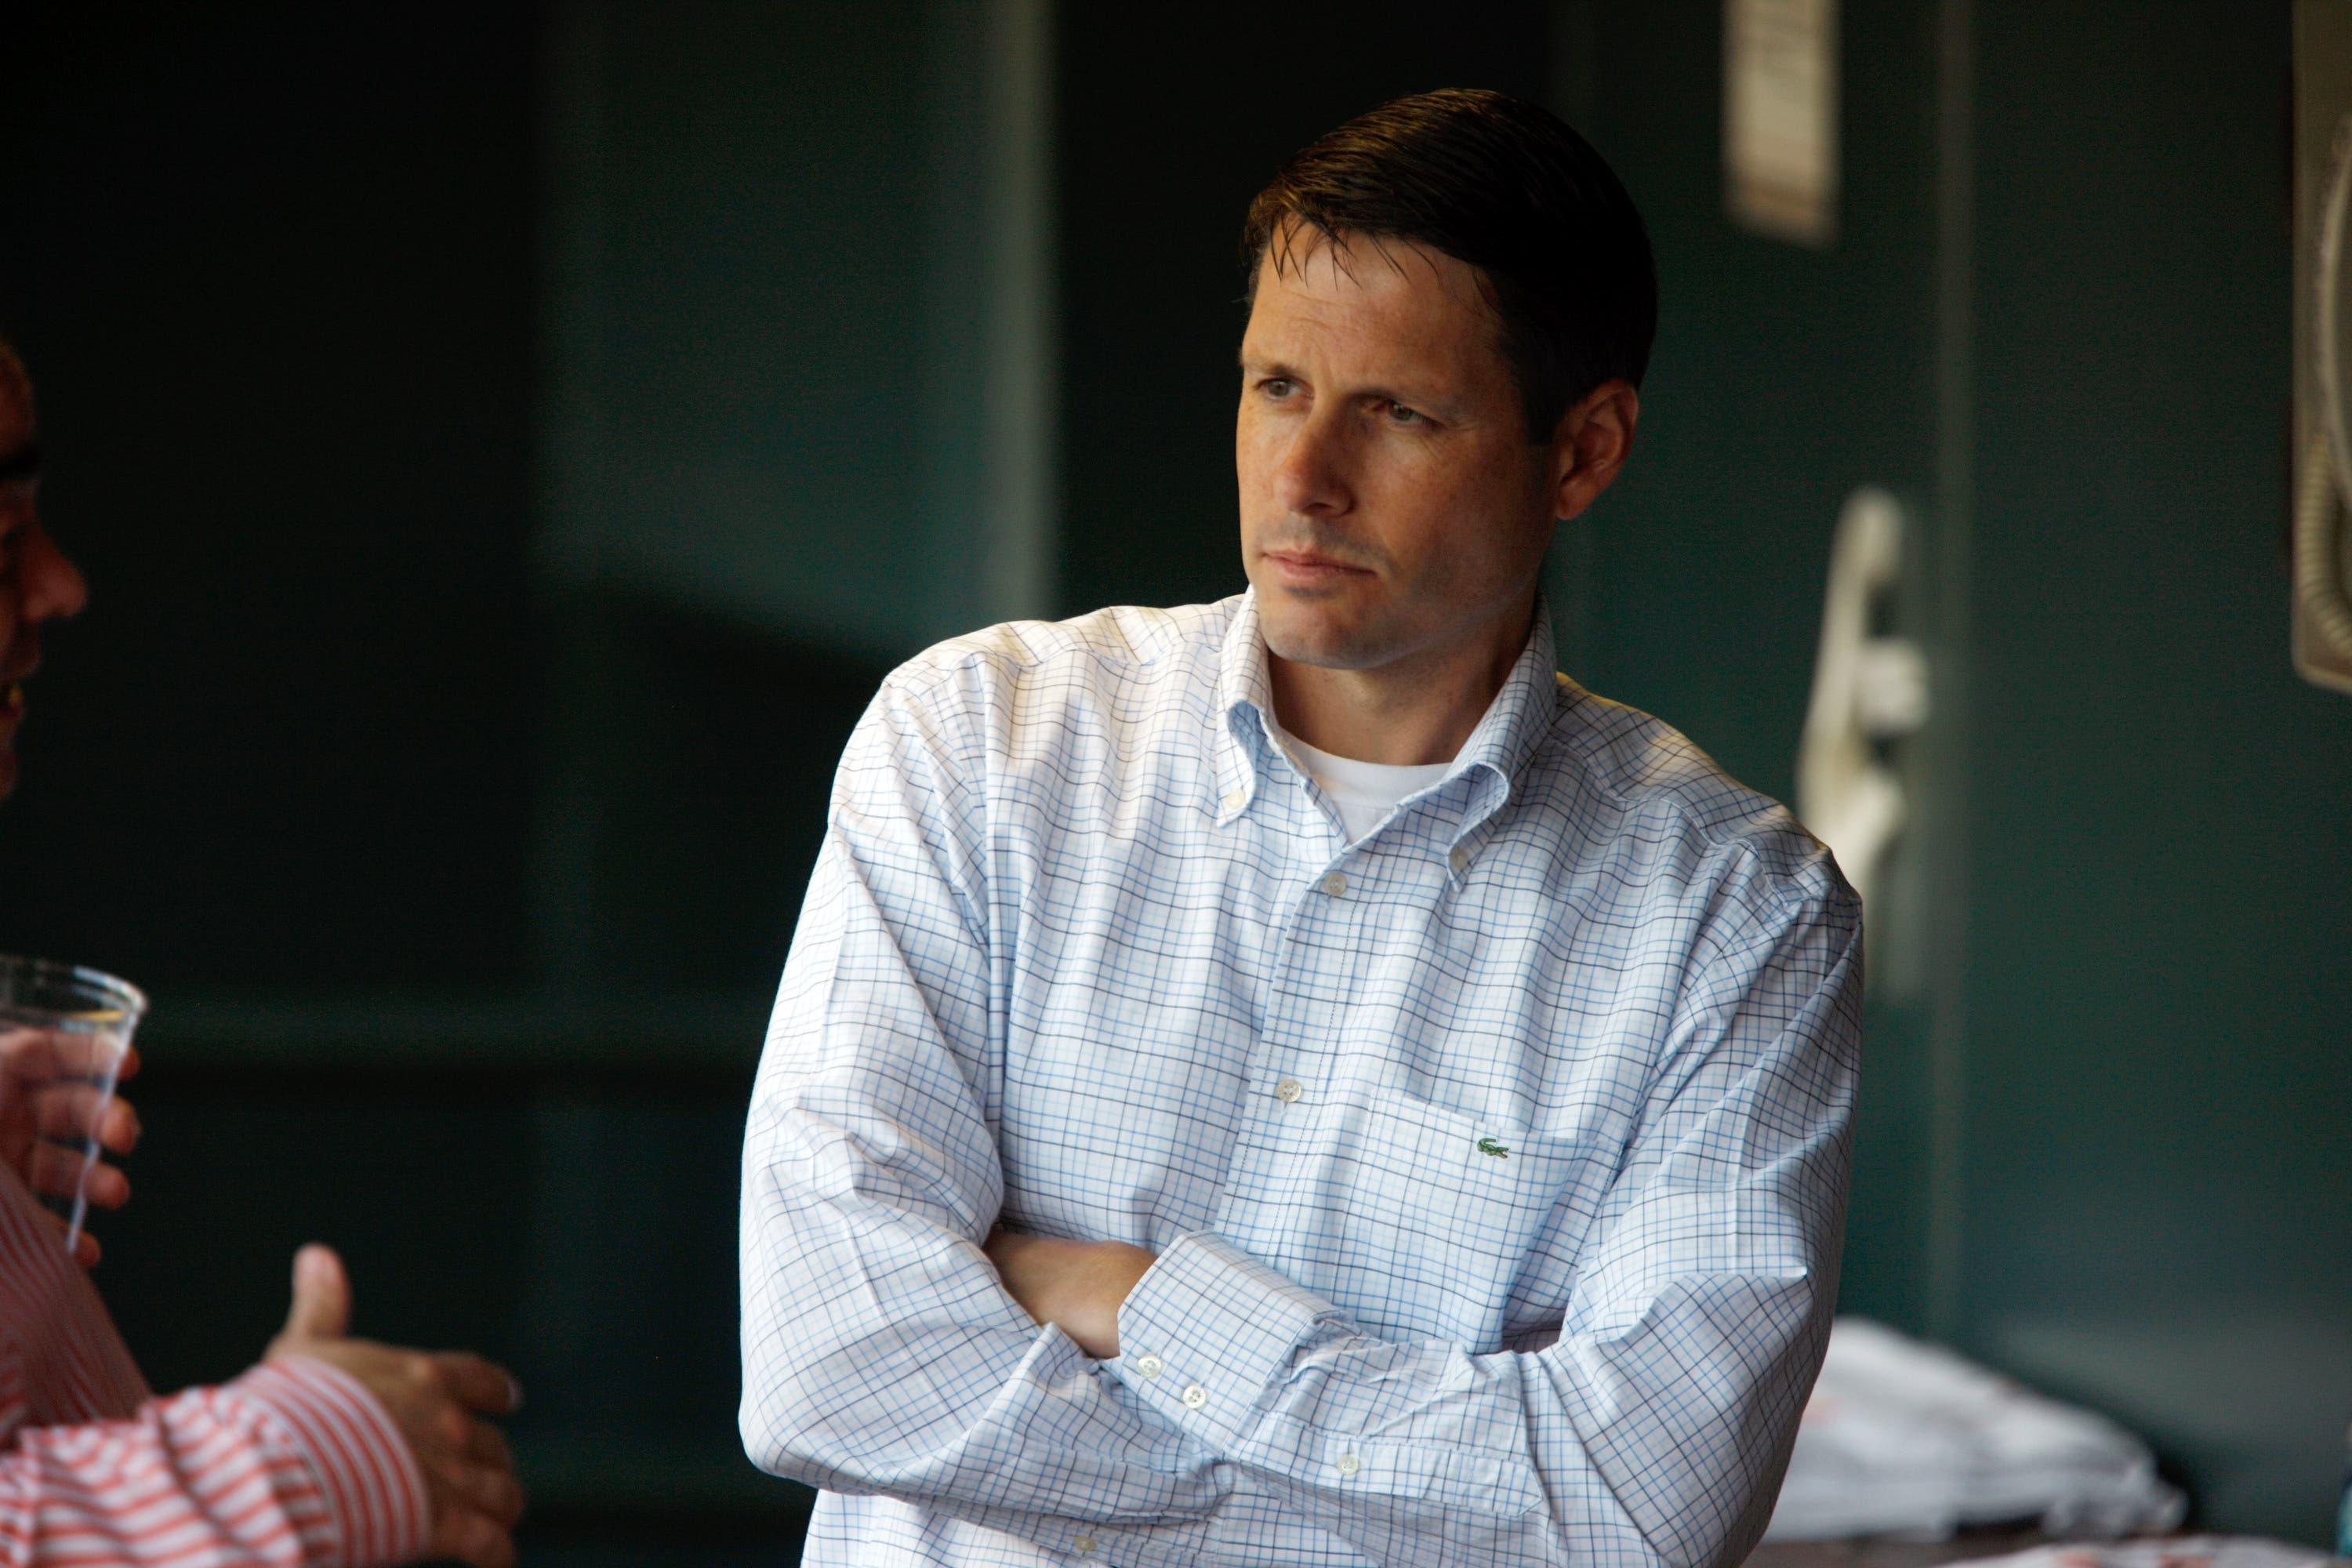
(2160, 1000)
(744, 212)
(272, 270)
(2063, 336)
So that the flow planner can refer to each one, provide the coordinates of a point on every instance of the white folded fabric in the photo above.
(2175, 1551)
(1906, 1438)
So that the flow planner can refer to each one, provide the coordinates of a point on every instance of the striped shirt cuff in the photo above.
(373, 1489)
(1205, 1333)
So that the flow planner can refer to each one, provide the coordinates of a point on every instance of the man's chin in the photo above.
(1324, 642)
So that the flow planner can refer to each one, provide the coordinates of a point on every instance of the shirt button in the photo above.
(1233, 800)
(1459, 860)
(1195, 1397)
(1335, 884)
(1349, 1463)
(1288, 1090)
(1151, 1365)
(1085, 1545)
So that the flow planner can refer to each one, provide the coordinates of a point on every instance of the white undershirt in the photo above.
(1364, 791)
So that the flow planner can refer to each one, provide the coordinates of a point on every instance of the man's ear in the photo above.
(1591, 444)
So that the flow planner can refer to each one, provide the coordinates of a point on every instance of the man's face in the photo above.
(38, 582)
(1390, 502)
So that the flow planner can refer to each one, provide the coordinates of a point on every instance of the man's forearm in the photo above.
(323, 1472)
(1076, 1286)
(882, 1355)
(1631, 1450)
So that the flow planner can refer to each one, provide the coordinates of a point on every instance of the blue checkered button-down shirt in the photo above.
(1495, 1161)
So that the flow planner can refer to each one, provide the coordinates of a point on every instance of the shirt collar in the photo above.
(1509, 735)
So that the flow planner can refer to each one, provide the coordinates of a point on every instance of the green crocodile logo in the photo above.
(1489, 1146)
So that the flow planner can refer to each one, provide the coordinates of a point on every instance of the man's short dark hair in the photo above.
(1508, 188)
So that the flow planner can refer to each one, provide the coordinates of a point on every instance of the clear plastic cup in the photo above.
(64, 1032)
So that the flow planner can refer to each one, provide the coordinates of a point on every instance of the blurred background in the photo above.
(508, 444)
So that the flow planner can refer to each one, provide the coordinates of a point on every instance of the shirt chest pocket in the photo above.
(1441, 1215)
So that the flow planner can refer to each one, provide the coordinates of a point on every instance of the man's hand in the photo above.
(433, 1397)
(1076, 1286)
(50, 1105)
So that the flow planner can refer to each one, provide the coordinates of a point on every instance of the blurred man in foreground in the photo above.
(332, 1452)
(1295, 1081)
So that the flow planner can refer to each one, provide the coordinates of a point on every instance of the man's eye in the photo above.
(1400, 415)
(1276, 386)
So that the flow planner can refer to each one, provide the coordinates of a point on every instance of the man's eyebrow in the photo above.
(1429, 401)
(1278, 370)
(24, 463)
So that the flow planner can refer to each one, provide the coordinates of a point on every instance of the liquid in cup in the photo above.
(64, 1032)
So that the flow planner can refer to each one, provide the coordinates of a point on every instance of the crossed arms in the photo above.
(884, 1352)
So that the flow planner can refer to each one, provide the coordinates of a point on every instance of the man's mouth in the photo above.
(1312, 560)
(1304, 572)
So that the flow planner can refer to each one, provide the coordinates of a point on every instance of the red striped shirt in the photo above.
(293, 1464)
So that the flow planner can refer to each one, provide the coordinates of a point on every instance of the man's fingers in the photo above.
(478, 1385)
(86, 1247)
(322, 1296)
(30, 1055)
(56, 1172)
(472, 1538)
(485, 1445)
(71, 1112)
(486, 1489)
(39, 1056)
(107, 1188)
(119, 1128)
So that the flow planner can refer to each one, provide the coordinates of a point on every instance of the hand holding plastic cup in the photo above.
(65, 1043)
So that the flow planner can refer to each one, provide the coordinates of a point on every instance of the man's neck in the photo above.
(1416, 711)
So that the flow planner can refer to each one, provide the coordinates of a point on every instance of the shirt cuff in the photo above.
(1207, 1332)
(374, 1492)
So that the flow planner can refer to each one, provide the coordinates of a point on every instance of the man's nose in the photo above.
(51, 586)
(1312, 478)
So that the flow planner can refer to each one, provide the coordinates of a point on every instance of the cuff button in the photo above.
(1349, 1463)
(1151, 1365)
(1195, 1397)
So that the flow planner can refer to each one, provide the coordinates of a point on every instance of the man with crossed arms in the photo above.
(1295, 1081)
